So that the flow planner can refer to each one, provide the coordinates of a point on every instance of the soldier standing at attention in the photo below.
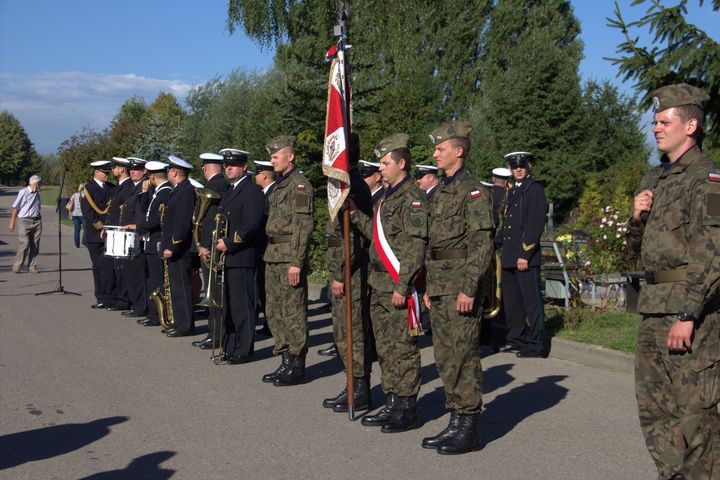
(399, 235)
(289, 228)
(460, 248)
(370, 172)
(676, 228)
(522, 226)
(94, 205)
(176, 245)
(335, 264)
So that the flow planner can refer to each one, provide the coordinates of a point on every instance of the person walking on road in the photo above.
(27, 213)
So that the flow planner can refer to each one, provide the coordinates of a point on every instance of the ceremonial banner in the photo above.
(336, 165)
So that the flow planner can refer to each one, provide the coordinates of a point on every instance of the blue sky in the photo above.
(65, 65)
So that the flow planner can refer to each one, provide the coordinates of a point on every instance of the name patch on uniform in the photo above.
(301, 187)
(416, 204)
(714, 177)
(475, 194)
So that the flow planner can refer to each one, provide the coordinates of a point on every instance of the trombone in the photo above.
(215, 281)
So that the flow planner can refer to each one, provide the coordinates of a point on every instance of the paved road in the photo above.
(88, 394)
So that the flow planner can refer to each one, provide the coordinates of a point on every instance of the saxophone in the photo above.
(163, 303)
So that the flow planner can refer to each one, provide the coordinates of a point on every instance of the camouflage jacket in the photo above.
(681, 231)
(335, 257)
(404, 216)
(460, 219)
(290, 221)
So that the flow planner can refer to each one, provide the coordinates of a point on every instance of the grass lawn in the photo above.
(48, 194)
(610, 329)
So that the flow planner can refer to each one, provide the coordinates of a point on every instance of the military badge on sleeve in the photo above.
(475, 194)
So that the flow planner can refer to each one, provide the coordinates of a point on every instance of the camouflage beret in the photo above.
(675, 95)
(393, 142)
(446, 131)
(278, 143)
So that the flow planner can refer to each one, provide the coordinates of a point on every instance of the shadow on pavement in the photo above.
(147, 466)
(48, 442)
(509, 409)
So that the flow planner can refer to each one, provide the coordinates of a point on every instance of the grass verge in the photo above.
(610, 329)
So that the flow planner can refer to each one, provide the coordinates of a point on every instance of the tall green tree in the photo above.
(668, 50)
(127, 127)
(78, 151)
(162, 129)
(18, 158)
(530, 95)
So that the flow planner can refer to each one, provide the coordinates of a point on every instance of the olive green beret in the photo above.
(675, 95)
(278, 143)
(393, 142)
(446, 131)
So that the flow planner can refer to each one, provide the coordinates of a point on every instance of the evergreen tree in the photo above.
(127, 127)
(18, 158)
(678, 52)
(162, 129)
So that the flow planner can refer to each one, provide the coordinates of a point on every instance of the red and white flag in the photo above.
(392, 265)
(336, 161)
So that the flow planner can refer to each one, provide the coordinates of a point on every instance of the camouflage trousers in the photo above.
(360, 327)
(398, 352)
(286, 309)
(455, 343)
(677, 397)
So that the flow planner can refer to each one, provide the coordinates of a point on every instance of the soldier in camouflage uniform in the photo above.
(676, 228)
(460, 249)
(289, 228)
(401, 231)
(335, 264)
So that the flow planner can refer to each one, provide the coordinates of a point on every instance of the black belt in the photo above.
(275, 239)
(666, 276)
(449, 254)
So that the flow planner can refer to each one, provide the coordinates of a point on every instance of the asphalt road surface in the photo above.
(89, 394)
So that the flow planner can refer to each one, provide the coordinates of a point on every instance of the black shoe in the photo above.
(98, 305)
(384, 415)
(331, 351)
(141, 321)
(362, 400)
(165, 331)
(270, 377)
(265, 330)
(295, 373)
(237, 359)
(208, 345)
(197, 343)
(439, 439)
(509, 347)
(150, 323)
(465, 439)
(404, 418)
(176, 333)
(528, 353)
(115, 308)
(339, 398)
(133, 314)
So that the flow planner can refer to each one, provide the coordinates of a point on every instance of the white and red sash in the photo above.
(392, 265)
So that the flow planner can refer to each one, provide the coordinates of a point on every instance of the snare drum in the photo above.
(120, 243)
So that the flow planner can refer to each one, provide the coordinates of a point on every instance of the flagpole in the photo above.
(340, 32)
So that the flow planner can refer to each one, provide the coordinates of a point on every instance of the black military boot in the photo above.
(340, 398)
(384, 415)
(404, 417)
(294, 375)
(467, 437)
(270, 377)
(361, 396)
(439, 439)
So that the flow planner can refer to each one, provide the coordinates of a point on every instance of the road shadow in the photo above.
(145, 467)
(49, 442)
(508, 410)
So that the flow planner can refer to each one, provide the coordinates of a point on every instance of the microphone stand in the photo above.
(59, 287)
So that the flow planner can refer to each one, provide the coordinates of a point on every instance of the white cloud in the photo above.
(54, 105)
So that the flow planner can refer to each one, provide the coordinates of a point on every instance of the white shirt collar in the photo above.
(235, 184)
(102, 184)
(265, 189)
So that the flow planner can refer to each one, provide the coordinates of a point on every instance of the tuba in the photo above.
(163, 303)
(206, 198)
(491, 288)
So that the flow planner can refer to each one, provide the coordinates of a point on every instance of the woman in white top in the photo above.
(75, 214)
